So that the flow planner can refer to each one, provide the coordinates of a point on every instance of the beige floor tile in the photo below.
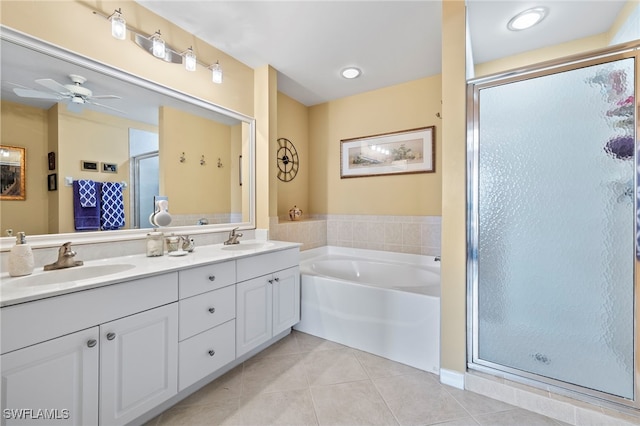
(517, 416)
(353, 403)
(273, 374)
(465, 421)
(286, 346)
(417, 399)
(216, 413)
(279, 408)
(227, 386)
(419, 384)
(477, 404)
(377, 367)
(309, 343)
(331, 367)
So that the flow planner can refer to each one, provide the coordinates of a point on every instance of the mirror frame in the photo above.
(53, 240)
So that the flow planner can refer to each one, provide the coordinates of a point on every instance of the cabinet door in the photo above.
(253, 314)
(286, 299)
(54, 382)
(138, 363)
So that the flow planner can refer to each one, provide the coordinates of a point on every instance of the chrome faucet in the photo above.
(65, 258)
(233, 237)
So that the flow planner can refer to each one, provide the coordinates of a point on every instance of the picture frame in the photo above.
(52, 160)
(13, 173)
(52, 182)
(395, 153)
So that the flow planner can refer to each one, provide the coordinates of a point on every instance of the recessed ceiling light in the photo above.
(527, 19)
(351, 72)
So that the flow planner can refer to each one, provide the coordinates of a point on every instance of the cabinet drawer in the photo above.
(200, 313)
(29, 323)
(255, 266)
(206, 352)
(206, 278)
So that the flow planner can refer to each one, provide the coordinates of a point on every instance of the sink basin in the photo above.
(62, 276)
(246, 246)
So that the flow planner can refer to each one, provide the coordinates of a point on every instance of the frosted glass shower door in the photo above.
(554, 227)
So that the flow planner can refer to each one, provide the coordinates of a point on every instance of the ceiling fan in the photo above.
(76, 93)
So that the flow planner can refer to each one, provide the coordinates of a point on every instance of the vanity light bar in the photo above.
(155, 45)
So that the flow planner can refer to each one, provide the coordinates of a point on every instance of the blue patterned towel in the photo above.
(112, 206)
(85, 218)
(87, 193)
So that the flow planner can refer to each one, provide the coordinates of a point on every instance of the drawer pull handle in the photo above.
(212, 352)
(111, 336)
(212, 277)
(212, 310)
(91, 343)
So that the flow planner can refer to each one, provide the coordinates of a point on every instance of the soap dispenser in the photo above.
(21, 257)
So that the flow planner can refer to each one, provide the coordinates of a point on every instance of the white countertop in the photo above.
(14, 291)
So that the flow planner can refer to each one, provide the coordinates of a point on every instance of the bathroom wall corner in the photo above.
(452, 378)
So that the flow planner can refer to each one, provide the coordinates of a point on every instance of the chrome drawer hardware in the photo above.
(91, 343)
(111, 336)
(212, 277)
(212, 352)
(212, 310)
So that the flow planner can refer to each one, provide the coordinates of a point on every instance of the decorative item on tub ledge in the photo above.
(408, 151)
(295, 213)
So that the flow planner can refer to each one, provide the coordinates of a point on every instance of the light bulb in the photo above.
(216, 74)
(190, 60)
(527, 19)
(118, 25)
(158, 45)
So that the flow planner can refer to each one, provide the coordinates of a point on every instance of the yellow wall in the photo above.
(26, 127)
(293, 124)
(91, 136)
(193, 188)
(453, 268)
(401, 107)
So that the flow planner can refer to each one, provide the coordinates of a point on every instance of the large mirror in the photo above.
(150, 138)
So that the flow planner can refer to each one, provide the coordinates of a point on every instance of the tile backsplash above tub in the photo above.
(403, 234)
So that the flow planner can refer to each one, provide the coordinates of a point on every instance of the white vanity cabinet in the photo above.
(101, 356)
(138, 364)
(207, 320)
(267, 297)
(60, 375)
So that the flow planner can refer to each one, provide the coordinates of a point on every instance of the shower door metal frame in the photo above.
(622, 51)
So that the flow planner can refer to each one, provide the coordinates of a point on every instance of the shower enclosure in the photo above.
(552, 202)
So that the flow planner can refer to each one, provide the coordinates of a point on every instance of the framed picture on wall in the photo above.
(52, 160)
(12, 173)
(52, 182)
(407, 151)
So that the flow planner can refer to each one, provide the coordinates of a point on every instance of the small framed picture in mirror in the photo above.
(52, 160)
(52, 182)
(12, 173)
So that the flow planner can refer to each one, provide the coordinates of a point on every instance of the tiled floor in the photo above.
(305, 380)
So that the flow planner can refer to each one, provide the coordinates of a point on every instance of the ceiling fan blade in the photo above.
(105, 106)
(30, 93)
(53, 85)
(105, 97)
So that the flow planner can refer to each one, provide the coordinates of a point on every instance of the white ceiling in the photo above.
(309, 42)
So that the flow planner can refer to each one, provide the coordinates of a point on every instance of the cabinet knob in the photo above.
(212, 310)
(91, 343)
(270, 281)
(111, 336)
(277, 279)
(212, 277)
(212, 352)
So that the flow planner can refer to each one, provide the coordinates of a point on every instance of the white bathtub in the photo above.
(380, 302)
